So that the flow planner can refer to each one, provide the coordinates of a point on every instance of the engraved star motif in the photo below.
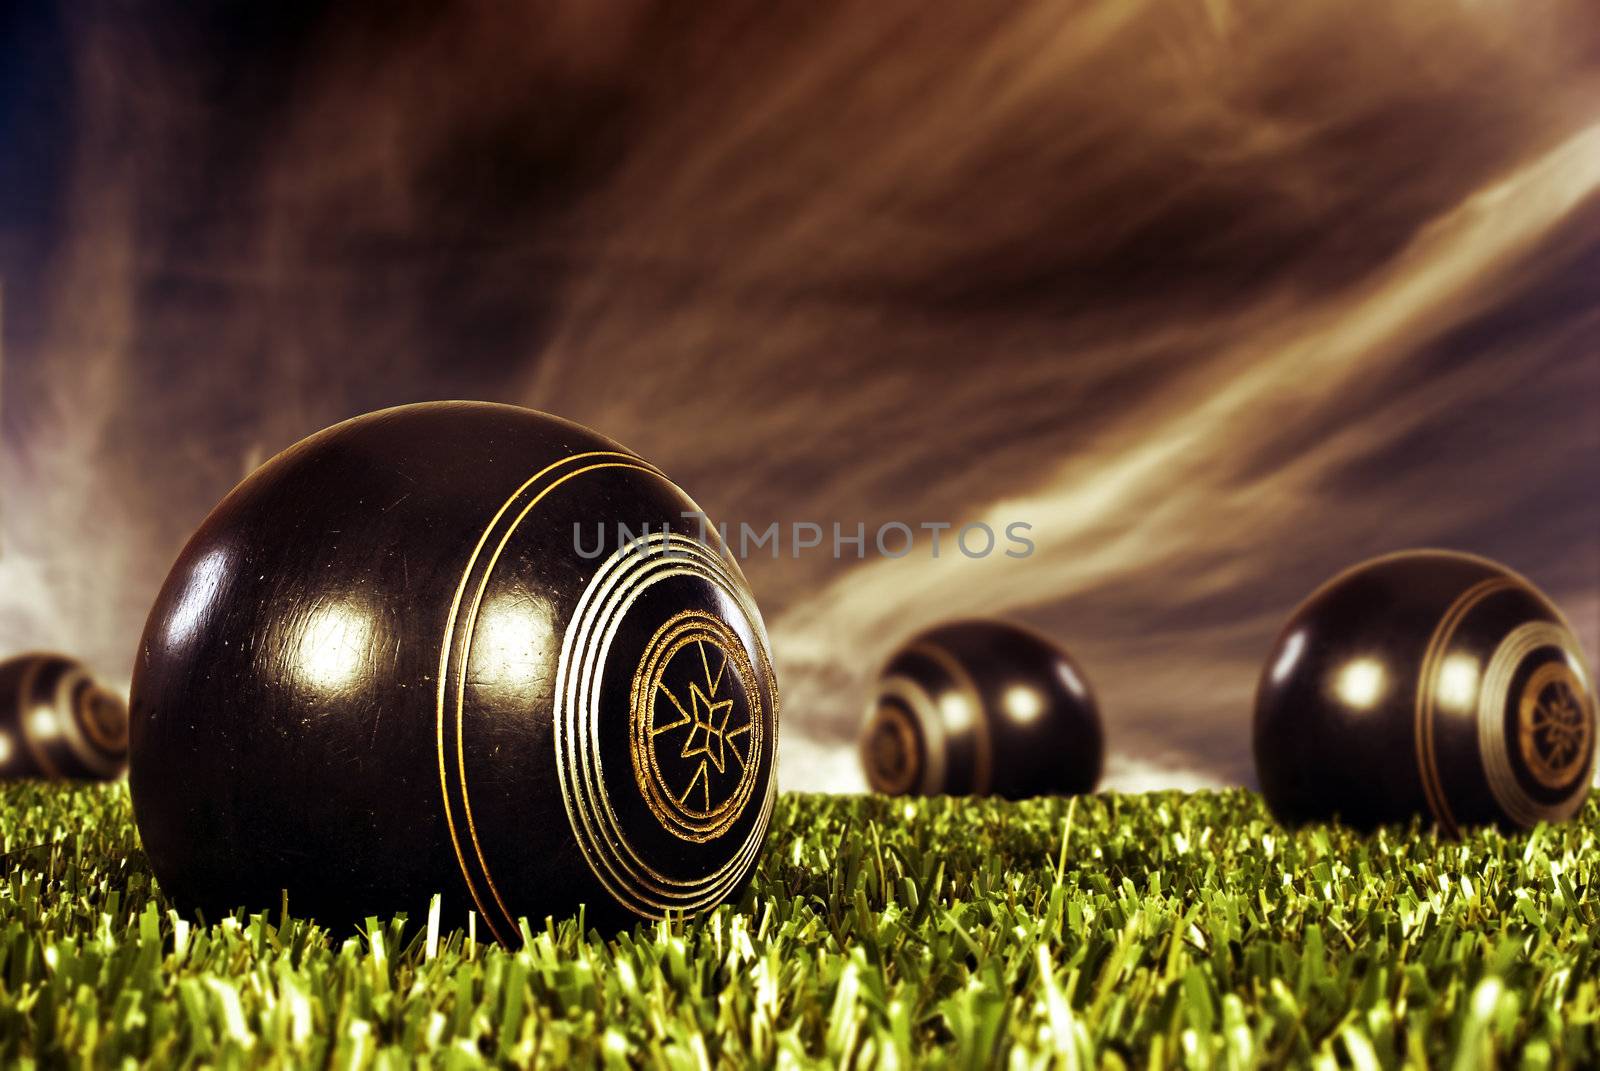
(707, 718)
(1558, 723)
(712, 733)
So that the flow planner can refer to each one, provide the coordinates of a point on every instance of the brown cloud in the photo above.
(1218, 296)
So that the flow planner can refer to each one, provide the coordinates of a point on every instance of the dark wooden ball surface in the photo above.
(396, 661)
(980, 708)
(1426, 683)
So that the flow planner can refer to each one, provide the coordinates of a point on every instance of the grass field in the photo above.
(1116, 931)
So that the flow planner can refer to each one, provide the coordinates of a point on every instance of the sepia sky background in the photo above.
(1218, 296)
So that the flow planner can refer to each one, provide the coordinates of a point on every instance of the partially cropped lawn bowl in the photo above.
(1117, 931)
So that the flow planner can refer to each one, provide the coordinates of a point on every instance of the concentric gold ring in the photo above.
(1494, 700)
(1427, 693)
(889, 745)
(1555, 693)
(673, 808)
(616, 586)
(613, 587)
(455, 651)
(104, 720)
(982, 746)
(935, 754)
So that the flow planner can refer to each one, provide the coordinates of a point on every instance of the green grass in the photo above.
(1117, 931)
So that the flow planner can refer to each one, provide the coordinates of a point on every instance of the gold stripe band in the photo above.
(463, 638)
(1427, 694)
(1493, 700)
(982, 744)
(612, 859)
(616, 863)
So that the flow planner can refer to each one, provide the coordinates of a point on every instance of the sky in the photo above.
(1219, 297)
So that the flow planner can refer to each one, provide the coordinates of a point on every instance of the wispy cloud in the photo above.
(1218, 296)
